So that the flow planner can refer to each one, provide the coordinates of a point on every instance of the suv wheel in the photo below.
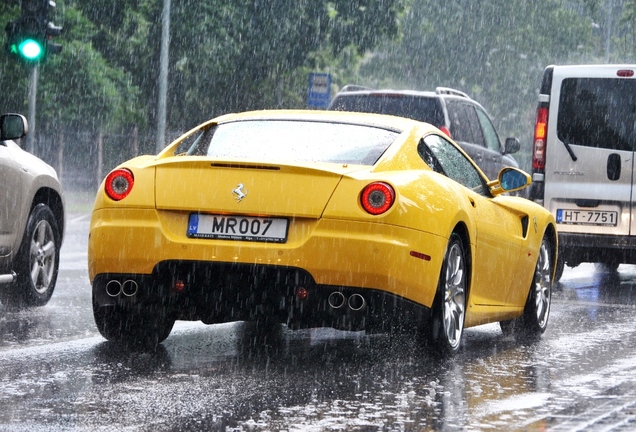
(37, 261)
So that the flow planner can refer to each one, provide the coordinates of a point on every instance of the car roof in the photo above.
(355, 90)
(386, 92)
(604, 66)
(379, 120)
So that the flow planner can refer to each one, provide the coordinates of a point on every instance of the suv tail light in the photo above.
(540, 132)
(446, 131)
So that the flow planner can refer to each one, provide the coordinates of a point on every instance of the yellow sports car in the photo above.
(317, 219)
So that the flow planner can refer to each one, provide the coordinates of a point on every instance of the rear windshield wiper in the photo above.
(568, 147)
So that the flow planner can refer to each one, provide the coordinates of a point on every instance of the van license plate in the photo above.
(246, 228)
(587, 217)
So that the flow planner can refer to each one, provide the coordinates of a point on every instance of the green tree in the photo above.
(78, 90)
(224, 56)
(623, 43)
(229, 56)
(495, 50)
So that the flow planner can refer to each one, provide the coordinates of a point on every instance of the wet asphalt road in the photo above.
(57, 373)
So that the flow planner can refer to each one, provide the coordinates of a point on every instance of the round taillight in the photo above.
(119, 183)
(377, 198)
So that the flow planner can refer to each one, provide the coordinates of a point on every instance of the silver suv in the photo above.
(583, 161)
(31, 220)
(452, 111)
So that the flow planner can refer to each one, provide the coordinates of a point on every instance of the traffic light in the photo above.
(30, 36)
(25, 41)
(52, 30)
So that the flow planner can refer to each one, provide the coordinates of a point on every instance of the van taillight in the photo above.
(625, 73)
(540, 132)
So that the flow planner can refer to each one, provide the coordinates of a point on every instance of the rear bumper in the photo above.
(226, 292)
(576, 248)
(600, 241)
(351, 257)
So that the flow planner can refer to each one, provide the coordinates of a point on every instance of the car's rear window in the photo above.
(420, 108)
(598, 112)
(294, 141)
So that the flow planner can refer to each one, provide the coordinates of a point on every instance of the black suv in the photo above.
(452, 111)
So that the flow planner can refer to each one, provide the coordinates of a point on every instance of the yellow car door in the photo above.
(497, 250)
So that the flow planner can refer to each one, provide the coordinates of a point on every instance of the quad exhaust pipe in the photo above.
(129, 288)
(336, 300)
(356, 302)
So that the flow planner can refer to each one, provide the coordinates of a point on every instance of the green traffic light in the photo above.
(30, 49)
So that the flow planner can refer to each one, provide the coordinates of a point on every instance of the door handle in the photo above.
(614, 166)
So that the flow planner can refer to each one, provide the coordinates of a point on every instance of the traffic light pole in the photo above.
(163, 77)
(33, 90)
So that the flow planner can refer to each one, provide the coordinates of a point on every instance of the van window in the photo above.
(597, 112)
(425, 109)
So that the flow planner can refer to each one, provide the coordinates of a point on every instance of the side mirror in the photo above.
(509, 180)
(512, 145)
(12, 126)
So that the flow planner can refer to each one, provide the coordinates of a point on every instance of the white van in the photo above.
(583, 161)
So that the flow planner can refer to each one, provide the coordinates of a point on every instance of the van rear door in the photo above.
(589, 164)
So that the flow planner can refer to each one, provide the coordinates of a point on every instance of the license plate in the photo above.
(234, 227)
(587, 217)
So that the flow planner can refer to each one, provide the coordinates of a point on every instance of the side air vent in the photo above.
(524, 226)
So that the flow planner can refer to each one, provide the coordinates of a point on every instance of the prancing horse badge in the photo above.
(239, 193)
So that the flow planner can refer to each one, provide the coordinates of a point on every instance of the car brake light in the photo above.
(377, 198)
(540, 133)
(446, 131)
(625, 73)
(119, 183)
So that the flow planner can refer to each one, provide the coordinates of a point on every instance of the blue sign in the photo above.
(319, 94)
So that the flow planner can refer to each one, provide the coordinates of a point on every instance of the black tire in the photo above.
(560, 266)
(133, 328)
(449, 308)
(37, 261)
(609, 266)
(535, 316)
